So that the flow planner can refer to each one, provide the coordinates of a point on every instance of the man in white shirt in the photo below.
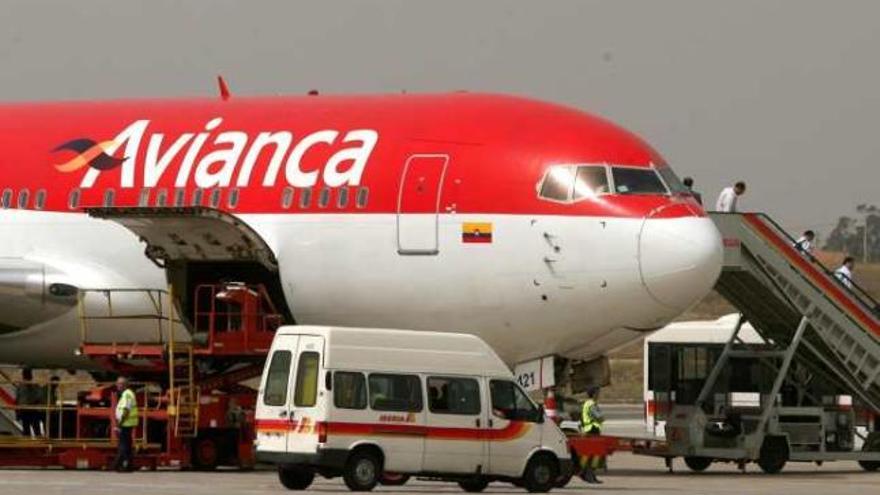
(727, 199)
(844, 273)
(804, 243)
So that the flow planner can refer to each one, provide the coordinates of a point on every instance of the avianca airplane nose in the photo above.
(680, 257)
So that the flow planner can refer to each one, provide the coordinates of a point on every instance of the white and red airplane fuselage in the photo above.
(542, 229)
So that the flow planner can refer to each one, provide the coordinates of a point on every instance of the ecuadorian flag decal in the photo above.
(476, 232)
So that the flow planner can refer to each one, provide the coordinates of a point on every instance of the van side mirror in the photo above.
(328, 380)
(541, 415)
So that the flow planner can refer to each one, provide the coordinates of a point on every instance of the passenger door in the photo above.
(418, 204)
(307, 404)
(456, 419)
(514, 432)
(273, 413)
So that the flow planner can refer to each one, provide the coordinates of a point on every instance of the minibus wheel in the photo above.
(541, 473)
(295, 477)
(474, 485)
(393, 479)
(362, 471)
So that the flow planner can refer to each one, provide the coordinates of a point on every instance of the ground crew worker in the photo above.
(844, 273)
(29, 400)
(126, 422)
(591, 424)
(729, 195)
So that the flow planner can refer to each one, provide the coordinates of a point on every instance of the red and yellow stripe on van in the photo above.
(513, 430)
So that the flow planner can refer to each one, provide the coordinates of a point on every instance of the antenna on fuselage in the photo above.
(224, 88)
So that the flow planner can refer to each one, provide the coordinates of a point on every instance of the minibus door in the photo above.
(273, 413)
(307, 405)
(456, 425)
(514, 432)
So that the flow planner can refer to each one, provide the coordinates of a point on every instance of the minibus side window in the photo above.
(401, 393)
(276, 380)
(453, 395)
(349, 390)
(511, 403)
(306, 392)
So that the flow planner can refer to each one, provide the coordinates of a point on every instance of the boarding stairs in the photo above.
(794, 301)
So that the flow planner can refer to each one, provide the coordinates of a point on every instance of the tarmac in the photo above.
(627, 474)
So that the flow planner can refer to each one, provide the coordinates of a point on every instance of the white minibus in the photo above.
(377, 406)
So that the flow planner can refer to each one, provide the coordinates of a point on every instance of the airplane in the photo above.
(542, 229)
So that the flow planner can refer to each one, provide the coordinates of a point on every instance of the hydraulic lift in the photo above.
(190, 382)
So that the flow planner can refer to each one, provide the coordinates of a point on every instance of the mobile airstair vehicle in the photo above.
(821, 343)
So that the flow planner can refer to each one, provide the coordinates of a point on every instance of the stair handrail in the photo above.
(856, 292)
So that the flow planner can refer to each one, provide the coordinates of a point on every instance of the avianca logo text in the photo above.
(221, 159)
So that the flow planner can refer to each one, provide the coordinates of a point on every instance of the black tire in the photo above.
(773, 455)
(541, 473)
(474, 485)
(362, 471)
(205, 454)
(295, 477)
(872, 444)
(698, 464)
(393, 479)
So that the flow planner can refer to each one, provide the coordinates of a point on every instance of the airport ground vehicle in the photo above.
(358, 403)
(801, 383)
(195, 411)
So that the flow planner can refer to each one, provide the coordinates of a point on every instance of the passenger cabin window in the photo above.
(510, 402)
(287, 198)
(72, 200)
(6, 199)
(453, 395)
(305, 198)
(276, 380)
(232, 199)
(342, 198)
(40, 199)
(215, 198)
(179, 197)
(363, 195)
(637, 181)
(144, 198)
(324, 197)
(108, 198)
(306, 380)
(162, 198)
(558, 183)
(23, 197)
(197, 197)
(349, 390)
(402, 393)
(590, 181)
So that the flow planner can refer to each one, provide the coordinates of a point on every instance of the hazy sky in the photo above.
(782, 94)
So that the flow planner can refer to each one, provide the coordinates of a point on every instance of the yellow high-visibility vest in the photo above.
(587, 422)
(127, 401)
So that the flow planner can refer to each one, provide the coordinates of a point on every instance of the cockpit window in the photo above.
(671, 179)
(558, 183)
(637, 181)
(591, 181)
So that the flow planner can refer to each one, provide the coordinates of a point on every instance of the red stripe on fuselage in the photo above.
(498, 147)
